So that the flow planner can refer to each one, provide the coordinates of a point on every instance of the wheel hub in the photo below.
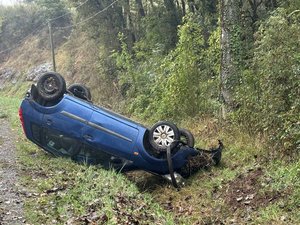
(163, 135)
(50, 85)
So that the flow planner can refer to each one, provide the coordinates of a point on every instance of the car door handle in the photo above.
(88, 137)
(49, 122)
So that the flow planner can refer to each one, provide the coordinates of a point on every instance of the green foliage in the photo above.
(167, 66)
(21, 21)
(189, 74)
(124, 62)
(16, 22)
(183, 83)
(184, 71)
(159, 29)
(137, 74)
(290, 4)
(236, 46)
(103, 27)
(52, 8)
(270, 92)
(171, 72)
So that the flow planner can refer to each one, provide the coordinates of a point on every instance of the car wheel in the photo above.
(162, 134)
(51, 86)
(187, 137)
(80, 91)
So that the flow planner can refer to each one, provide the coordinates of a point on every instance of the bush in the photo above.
(182, 83)
(270, 92)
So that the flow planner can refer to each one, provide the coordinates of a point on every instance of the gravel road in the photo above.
(11, 204)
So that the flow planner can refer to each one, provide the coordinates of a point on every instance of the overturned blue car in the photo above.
(64, 122)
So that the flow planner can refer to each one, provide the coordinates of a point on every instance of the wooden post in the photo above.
(52, 47)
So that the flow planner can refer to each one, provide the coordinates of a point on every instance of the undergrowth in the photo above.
(59, 191)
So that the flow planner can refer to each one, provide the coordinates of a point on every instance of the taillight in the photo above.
(22, 119)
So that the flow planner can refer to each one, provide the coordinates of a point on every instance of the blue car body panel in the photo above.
(100, 128)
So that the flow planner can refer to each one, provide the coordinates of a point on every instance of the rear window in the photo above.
(60, 144)
(36, 132)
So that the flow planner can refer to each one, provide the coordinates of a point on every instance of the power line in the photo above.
(52, 19)
(23, 39)
(55, 18)
(73, 25)
(27, 36)
(89, 18)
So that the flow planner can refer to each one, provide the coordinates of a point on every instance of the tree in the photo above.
(140, 8)
(128, 22)
(17, 22)
(230, 43)
(52, 9)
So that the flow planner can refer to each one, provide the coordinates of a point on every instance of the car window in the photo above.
(60, 144)
(91, 155)
(36, 132)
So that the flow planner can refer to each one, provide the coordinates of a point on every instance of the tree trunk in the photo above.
(254, 4)
(183, 7)
(229, 67)
(140, 7)
(151, 4)
(191, 5)
(128, 23)
(271, 4)
(171, 8)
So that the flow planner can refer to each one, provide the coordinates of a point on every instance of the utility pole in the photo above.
(52, 46)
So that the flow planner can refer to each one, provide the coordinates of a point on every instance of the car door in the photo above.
(112, 133)
(69, 118)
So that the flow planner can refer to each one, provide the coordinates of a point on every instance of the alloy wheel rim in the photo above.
(163, 135)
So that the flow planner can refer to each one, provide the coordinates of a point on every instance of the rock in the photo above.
(35, 73)
(239, 199)
(283, 218)
(249, 197)
(8, 75)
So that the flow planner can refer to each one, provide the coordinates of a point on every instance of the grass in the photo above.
(3, 115)
(3, 112)
(206, 199)
(59, 191)
(284, 179)
(17, 90)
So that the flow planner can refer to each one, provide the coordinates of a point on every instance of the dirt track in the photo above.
(11, 205)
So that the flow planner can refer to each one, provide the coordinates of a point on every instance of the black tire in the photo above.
(51, 86)
(162, 134)
(187, 137)
(80, 91)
